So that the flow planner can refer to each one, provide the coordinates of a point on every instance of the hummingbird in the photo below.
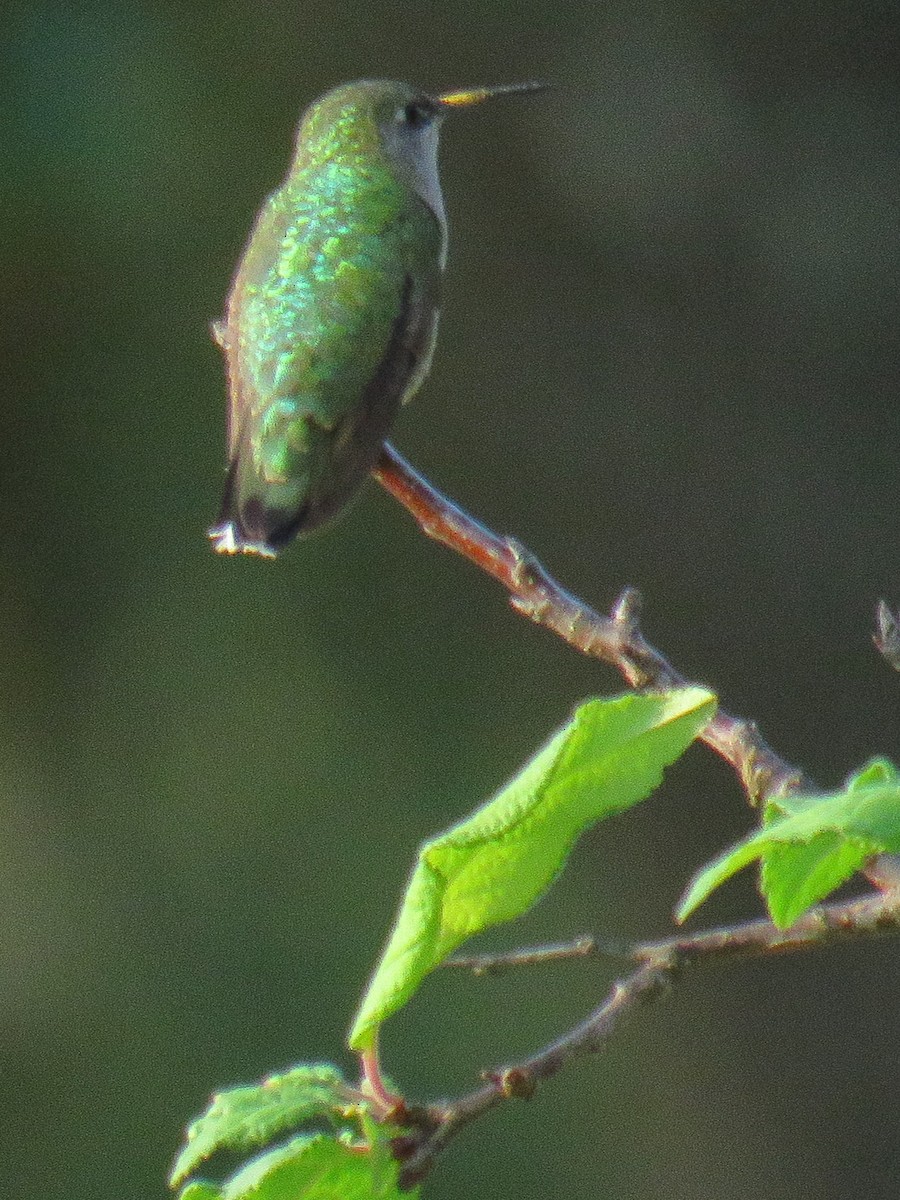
(331, 320)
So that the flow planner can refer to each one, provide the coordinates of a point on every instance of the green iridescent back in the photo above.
(342, 268)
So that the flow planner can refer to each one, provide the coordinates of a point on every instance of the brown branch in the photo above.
(615, 639)
(825, 925)
(441, 1123)
(586, 946)
(658, 965)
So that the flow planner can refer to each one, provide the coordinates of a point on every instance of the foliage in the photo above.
(494, 865)
(246, 1117)
(810, 845)
(488, 869)
(310, 1167)
(352, 1161)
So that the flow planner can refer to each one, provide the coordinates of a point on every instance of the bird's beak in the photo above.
(477, 95)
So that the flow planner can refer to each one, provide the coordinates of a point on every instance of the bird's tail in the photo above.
(239, 529)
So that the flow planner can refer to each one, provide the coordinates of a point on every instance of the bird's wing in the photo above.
(357, 438)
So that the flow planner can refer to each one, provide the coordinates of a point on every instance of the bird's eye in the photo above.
(413, 115)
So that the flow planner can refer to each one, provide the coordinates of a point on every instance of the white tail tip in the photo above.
(226, 540)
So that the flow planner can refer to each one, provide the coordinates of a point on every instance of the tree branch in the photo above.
(615, 639)
(658, 965)
(826, 925)
(618, 641)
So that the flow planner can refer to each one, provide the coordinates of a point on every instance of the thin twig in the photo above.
(658, 965)
(586, 946)
(445, 1121)
(825, 925)
(615, 639)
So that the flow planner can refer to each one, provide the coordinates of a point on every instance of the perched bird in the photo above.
(331, 319)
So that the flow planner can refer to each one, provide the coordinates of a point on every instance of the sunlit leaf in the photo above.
(317, 1168)
(793, 877)
(493, 866)
(200, 1190)
(811, 844)
(248, 1117)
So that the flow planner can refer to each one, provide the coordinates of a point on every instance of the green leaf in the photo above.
(246, 1117)
(811, 844)
(878, 770)
(493, 866)
(317, 1167)
(200, 1190)
(794, 877)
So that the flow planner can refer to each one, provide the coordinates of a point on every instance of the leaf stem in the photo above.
(385, 1104)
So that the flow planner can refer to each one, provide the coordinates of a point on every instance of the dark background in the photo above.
(668, 357)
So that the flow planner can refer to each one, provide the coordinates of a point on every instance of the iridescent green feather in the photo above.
(342, 268)
(314, 320)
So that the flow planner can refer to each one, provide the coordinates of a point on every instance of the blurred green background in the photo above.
(668, 357)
